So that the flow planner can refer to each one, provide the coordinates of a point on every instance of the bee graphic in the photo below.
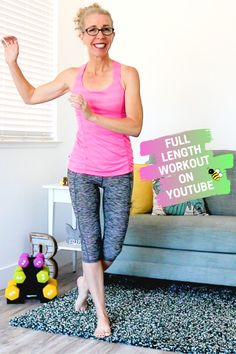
(215, 174)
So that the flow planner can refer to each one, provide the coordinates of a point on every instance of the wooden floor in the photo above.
(26, 341)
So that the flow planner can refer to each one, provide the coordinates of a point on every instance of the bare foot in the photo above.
(81, 301)
(103, 328)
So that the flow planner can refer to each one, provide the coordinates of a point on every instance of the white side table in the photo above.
(61, 194)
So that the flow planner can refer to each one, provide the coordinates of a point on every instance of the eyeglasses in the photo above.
(93, 31)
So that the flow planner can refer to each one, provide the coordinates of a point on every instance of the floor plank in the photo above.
(26, 341)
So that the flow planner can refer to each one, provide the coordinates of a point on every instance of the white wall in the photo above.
(24, 169)
(185, 52)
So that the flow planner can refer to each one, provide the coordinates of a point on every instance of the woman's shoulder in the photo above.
(126, 68)
(128, 73)
(69, 75)
(71, 71)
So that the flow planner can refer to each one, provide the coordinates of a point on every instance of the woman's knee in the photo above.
(106, 264)
(111, 253)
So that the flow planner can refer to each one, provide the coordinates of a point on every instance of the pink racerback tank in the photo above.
(99, 151)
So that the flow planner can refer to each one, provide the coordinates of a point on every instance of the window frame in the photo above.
(35, 74)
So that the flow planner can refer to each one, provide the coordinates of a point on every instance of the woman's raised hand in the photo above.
(11, 48)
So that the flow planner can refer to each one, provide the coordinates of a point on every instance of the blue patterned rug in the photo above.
(166, 316)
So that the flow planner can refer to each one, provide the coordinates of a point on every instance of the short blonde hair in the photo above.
(85, 11)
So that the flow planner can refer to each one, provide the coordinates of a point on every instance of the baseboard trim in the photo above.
(6, 274)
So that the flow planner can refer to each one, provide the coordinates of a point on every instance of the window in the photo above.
(33, 23)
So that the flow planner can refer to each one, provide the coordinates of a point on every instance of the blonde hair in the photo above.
(85, 11)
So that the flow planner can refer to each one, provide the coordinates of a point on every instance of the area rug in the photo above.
(167, 316)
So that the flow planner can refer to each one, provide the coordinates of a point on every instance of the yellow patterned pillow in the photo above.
(142, 195)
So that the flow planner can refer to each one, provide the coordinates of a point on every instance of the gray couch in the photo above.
(198, 249)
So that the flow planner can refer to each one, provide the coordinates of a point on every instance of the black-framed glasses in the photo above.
(93, 31)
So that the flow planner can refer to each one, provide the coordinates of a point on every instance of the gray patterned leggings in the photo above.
(85, 197)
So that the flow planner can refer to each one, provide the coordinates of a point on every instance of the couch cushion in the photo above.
(221, 204)
(224, 204)
(200, 267)
(191, 207)
(141, 202)
(209, 233)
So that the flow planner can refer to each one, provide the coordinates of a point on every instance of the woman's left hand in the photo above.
(78, 102)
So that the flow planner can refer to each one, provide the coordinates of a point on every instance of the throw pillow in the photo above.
(192, 207)
(141, 201)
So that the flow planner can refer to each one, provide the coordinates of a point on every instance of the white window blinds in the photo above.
(33, 23)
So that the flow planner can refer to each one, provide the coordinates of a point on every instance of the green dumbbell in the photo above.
(46, 268)
(19, 275)
(42, 276)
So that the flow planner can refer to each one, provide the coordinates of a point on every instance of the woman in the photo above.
(106, 97)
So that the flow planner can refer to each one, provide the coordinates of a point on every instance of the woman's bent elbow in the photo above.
(30, 101)
(136, 132)
(28, 96)
(27, 101)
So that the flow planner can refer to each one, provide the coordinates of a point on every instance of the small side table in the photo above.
(61, 194)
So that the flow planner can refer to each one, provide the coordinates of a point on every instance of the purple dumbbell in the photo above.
(39, 260)
(24, 260)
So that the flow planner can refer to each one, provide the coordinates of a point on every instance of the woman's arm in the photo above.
(132, 123)
(31, 95)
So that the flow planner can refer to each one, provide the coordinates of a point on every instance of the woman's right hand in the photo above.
(11, 49)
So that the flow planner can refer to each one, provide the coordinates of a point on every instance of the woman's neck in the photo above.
(98, 65)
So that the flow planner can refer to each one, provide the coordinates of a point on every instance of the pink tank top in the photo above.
(99, 151)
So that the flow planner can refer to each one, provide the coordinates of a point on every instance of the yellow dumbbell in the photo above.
(53, 282)
(11, 282)
(12, 292)
(50, 291)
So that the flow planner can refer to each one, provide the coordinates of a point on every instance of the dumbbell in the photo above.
(19, 276)
(39, 260)
(42, 276)
(12, 292)
(50, 291)
(24, 260)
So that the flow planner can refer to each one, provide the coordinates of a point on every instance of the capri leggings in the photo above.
(85, 197)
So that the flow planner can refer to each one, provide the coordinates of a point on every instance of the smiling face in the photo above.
(100, 44)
